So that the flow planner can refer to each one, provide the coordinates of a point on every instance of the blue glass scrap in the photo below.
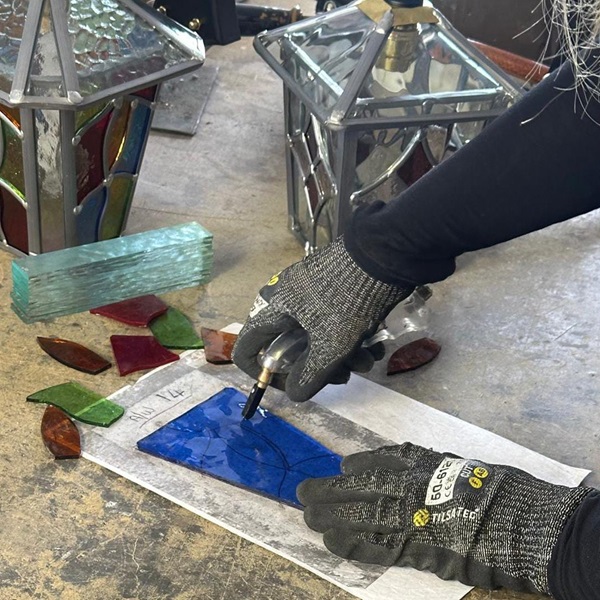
(265, 454)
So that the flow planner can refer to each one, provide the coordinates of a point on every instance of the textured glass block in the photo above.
(266, 455)
(77, 279)
(81, 403)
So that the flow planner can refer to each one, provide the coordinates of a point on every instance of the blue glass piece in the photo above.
(265, 455)
(87, 221)
(139, 125)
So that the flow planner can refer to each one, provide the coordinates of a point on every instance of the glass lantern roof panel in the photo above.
(113, 46)
(320, 53)
(61, 53)
(419, 68)
(12, 17)
(45, 76)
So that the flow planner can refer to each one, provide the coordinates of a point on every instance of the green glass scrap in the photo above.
(174, 330)
(80, 403)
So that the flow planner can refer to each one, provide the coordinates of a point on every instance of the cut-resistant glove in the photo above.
(484, 525)
(335, 302)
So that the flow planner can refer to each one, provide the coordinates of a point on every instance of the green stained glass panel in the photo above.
(174, 330)
(120, 193)
(84, 117)
(116, 134)
(81, 403)
(11, 169)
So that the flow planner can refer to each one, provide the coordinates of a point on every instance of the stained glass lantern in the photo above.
(78, 79)
(375, 94)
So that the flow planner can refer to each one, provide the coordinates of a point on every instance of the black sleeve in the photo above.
(574, 569)
(535, 165)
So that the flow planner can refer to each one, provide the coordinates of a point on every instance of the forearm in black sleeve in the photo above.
(537, 164)
(574, 569)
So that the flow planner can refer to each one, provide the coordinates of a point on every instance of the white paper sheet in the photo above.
(341, 419)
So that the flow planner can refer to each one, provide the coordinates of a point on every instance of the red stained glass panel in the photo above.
(13, 219)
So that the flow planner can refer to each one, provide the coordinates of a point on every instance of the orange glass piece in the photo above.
(413, 355)
(60, 434)
(74, 355)
(135, 311)
(218, 345)
(139, 352)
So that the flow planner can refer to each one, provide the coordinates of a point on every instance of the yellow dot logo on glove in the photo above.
(480, 472)
(475, 482)
(274, 279)
(421, 517)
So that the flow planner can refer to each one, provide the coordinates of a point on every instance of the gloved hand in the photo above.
(484, 525)
(335, 302)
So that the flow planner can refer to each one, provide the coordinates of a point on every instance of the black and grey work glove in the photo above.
(335, 302)
(484, 525)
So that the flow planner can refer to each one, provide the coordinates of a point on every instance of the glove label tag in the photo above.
(455, 476)
(259, 304)
(441, 484)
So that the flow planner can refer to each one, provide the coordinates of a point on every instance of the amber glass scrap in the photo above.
(79, 402)
(218, 345)
(60, 434)
(174, 330)
(413, 355)
(136, 311)
(74, 355)
(139, 352)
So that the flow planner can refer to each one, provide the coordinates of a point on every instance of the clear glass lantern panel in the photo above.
(113, 46)
(322, 54)
(416, 68)
(12, 18)
(381, 152)
(314, 229)
(312, 148)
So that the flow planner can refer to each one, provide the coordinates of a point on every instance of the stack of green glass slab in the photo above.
(84, 277)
